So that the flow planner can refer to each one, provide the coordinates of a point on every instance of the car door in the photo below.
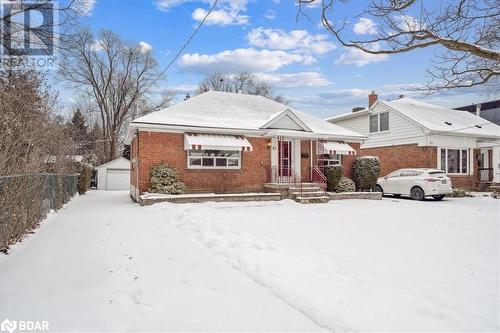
(390, 184)
(406, 181)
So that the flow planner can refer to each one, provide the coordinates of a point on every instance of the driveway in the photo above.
(104, 263)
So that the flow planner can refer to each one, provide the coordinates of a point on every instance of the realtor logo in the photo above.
(27, 33)
(9, 326)
(23, 326)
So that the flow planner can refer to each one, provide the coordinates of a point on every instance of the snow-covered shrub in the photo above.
(345, 184)
(366, 170)
(165, 180)
(460, 193)
(333, 174)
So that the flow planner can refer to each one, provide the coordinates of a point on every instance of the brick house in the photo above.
(234, 143)
(406, 133)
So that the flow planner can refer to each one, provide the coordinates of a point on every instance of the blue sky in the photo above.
(298, 58)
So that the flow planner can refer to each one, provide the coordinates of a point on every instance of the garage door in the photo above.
(118, 180)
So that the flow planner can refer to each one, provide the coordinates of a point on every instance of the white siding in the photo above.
(286, 123)
(358, 124)
(401, 130)
(102, 171)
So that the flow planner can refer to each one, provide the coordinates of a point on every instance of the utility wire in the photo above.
(185, 45)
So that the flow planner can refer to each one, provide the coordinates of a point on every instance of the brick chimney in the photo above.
(372, 98)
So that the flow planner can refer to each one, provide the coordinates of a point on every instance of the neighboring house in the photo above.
(487, 110)
(233, 143)
(406, 133)
(114, 175)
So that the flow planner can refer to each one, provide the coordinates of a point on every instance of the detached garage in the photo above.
(114, 175)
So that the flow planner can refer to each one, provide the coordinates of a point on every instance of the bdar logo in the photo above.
(9, 326)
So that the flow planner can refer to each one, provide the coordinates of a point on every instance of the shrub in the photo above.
(333, 174)
(84, 178)
(164, 179)
(345, 184)
(460, 193)
(366, 170)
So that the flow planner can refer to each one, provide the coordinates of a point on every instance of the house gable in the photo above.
(287, 120)
(401, 129)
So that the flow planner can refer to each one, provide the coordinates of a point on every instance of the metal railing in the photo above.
(319, 178)
(485, 174)
(284, 175)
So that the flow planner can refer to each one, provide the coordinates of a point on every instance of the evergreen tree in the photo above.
(79, 133)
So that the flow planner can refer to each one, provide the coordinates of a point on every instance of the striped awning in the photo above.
(194, 141)
(336, 148)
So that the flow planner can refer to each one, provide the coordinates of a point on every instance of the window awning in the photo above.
(216, 142)
(336, 148)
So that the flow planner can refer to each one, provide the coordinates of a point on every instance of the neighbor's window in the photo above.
(384, 121)
(455, 161)
(214, 159)
(329, 159)
(379, 122)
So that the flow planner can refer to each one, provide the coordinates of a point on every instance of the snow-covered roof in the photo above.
(119, 163)
(443, 120)
(434, 118)
(240, 112)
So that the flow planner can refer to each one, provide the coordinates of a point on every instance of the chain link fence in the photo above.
(25, 200)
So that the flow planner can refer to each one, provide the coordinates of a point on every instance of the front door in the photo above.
(284, 158)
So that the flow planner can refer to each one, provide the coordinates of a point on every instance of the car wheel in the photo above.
(438, 197)
(417, 193)
(378, 188)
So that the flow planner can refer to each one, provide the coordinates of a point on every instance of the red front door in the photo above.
(284, 158)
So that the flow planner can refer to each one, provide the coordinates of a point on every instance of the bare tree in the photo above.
(31, 130)
(59, 20)
(114, 73)
(244, 83)
(468, 32)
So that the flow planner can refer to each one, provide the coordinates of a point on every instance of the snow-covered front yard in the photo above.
(104, 263)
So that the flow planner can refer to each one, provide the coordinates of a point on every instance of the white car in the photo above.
(417, 183)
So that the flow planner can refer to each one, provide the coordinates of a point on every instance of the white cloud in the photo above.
(227, 12)
(365, 26)
(409, 23)
(165, 5)
(220, 17)
(145, 47)
(97, 45)
(175, 90)
(359, 58)
(295, 40)
(270, 14)
(85, 7)
(294, 80)
(240, 60)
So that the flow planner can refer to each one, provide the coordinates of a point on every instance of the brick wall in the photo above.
(403, 156)
(348, 160)
(412, 156)
(155, 148)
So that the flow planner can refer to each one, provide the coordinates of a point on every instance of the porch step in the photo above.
(308, 193)
(318, 199)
